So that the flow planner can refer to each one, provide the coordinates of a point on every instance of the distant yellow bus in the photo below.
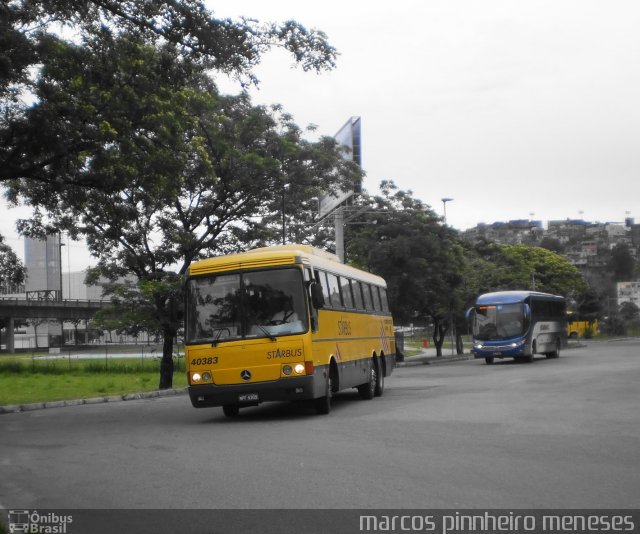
(287, 322)
(577, 328)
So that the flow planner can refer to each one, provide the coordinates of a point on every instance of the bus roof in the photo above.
(280, 255)
(513, 297)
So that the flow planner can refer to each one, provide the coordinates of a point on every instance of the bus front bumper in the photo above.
(501, 351)
(251, 394)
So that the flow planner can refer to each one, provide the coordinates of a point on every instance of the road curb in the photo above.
(15, 408)
(433, 360)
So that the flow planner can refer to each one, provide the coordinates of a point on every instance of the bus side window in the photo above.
(321, 278)
(357, 295)
(368, 301)
(383, 297)
(333, 287)
(376, 298)
(347, 296)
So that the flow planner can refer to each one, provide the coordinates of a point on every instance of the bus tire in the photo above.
(555, 353)
(380, 380)
(488, 360)
(323, 404)
(368, 390)
(231, 410)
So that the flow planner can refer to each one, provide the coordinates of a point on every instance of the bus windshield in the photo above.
(498, 322)
(253, 304)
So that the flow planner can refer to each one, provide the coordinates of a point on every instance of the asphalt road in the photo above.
(552, 434)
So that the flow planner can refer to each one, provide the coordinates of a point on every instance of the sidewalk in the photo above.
(428, 357)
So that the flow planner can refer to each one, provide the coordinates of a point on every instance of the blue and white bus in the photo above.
(518, 324)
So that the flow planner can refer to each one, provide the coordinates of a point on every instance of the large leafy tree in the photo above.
(526, 267)
(190, 172)
(32, 34)
(404, 241)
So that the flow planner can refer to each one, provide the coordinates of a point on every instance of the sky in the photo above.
(514, 109)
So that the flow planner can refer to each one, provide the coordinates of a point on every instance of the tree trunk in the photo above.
(166, 364)
(439, 333)
(459, 343)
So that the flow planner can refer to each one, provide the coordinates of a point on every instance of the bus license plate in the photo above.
(248, 397)
(497, 353)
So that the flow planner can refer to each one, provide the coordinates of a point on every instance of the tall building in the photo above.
(44, 267)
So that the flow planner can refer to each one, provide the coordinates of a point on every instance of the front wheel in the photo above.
(489, 360)
(323, 404)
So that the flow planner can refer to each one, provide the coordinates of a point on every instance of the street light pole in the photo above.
(444, 204)
(60, 245)
(284, 232)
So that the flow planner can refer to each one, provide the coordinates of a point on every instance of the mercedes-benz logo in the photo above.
(245, 375)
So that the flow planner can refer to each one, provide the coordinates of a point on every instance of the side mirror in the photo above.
(317, 298)
(468, 315)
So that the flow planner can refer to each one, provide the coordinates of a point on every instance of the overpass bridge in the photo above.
(62, 310)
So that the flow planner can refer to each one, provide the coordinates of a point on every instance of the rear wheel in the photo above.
(555, 353)
(368, 389)
(323, 404)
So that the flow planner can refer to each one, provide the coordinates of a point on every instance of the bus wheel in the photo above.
(380, 381)
(231, 410)
(555, 353)
(368, 390)
(323, 404)
(489, 360)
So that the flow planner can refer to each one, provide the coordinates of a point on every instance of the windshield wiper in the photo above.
(268, 334)
(217, 339)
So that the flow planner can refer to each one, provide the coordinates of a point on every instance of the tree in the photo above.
(191, 173)
(31, 41)
(525, 267)
(131, 311)
(589, 305)
(629, 312)
(12, 271)
(621, 265)
(403, 240)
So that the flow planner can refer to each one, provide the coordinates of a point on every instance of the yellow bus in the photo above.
(578, 328)
(287, 322)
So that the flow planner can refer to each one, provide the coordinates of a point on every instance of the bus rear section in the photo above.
(518, 324)
(252, 324)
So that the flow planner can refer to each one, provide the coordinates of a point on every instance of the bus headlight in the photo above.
(293, 369)
(478, 346)
(205, 377)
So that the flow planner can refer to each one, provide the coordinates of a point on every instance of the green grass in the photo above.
(25, 380)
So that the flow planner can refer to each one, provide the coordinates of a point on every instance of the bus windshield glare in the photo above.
(498, 322)
(248, 305)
